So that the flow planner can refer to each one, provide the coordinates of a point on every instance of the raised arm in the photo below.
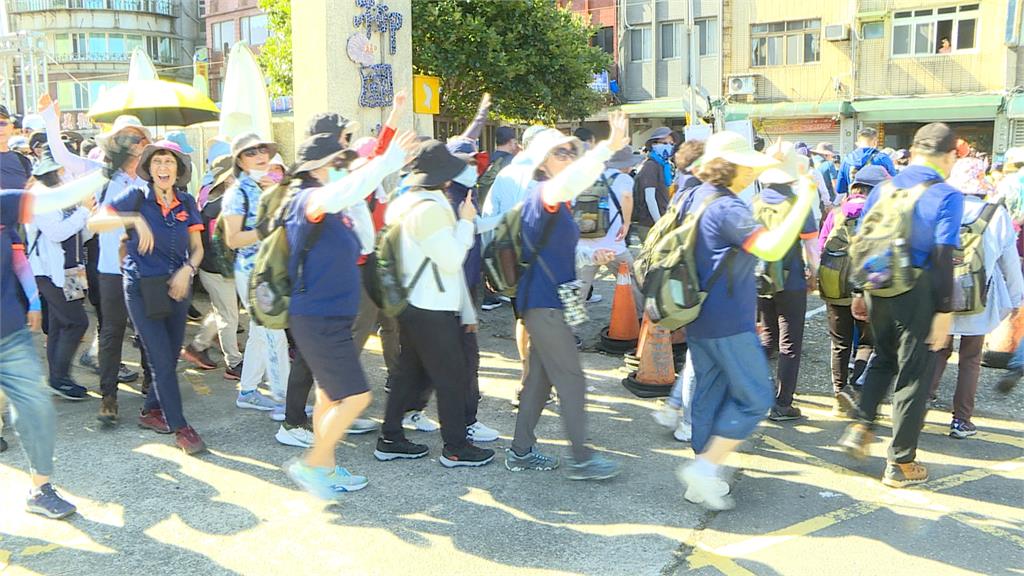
(73, 164)
(336, 196)
(772, 245)
(579, 175)
(66, 195)
(472, 131)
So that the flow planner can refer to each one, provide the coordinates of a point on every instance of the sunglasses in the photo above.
(564, 153)
(4, 123)
(131, 140)
(251, 152)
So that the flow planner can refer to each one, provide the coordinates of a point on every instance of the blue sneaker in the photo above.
(46, 502)
(597, 468)
(345, 481)
(69, 390)
(317, 481)
(532, 460)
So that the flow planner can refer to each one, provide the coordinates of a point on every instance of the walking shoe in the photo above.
(594, 298)
(597, 468)
(253, 400)
(899, 475)
(89, 361)
(3, 444)
(1009, 380)
(505, 299)
(490, 303)
(480, 432)
(468, 455)
(847, 400)
(706, 490)
(857, 439)
(108, 411)
(418, 420)
(666, 416)
(188, 440)
(193, 314)
(961, 428)
(532, 460)
(154, 420)
(344, 481)
(233, 372)
(317, 481)
(200, 358)
(294, 436)
(278, 413)
(126, 375)
(69, 390)
(683, 432)
(46, 502)
(395, 449)
(362, 426)
(784, 413)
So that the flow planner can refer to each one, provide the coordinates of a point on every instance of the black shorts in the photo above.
(326, 344)
(515, 309)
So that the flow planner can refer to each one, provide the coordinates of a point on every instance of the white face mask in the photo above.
(257, 174)
(467, 177)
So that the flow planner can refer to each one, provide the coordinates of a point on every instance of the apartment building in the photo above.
(227, 22)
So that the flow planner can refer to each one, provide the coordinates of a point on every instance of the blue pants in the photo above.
(21, 378)
(734, 387)
(161, 339)
(1017, 362)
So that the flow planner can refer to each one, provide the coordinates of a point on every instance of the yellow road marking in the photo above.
(36, 550)
(5, 558)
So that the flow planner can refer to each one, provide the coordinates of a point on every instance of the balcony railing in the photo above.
(162, 7)
(94, 57)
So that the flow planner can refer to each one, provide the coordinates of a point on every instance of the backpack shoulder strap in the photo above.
(35, 243)
(981, 223)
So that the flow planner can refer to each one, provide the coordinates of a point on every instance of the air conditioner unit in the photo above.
(740, 85)
(837, 32)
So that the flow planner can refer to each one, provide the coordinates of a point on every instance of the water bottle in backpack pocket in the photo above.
(970, 279)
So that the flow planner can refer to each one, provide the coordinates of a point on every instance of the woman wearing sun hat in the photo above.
(163, 253)
(733, 389)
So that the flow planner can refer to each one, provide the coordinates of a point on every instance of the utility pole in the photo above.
(691, 59)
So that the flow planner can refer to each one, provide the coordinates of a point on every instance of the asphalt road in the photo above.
(802, 506)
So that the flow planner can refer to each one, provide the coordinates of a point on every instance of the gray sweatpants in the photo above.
(552, 359)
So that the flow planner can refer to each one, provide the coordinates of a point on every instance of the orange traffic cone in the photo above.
(632, 360)
(621, 334)
(656, 372)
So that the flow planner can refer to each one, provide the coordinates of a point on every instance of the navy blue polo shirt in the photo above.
(937, 214)
(170, 225)
(793, 261)
(727, 226)
(14, 206)
(330, 281)
(537, 289)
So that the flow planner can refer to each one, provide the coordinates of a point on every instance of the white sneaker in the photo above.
(479, 432)
(667, 416)
(277, 414)
(294, 436)
(418, 420)
(683, 431)
(595, 298)
(362, 426)
(255, 401)
(705, 490)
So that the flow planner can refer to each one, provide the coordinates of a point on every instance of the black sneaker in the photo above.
(69, 390)
(193, 314)
(468, 455)
(784, 413)
(46, 502)
(490, 303)
(1009, 380)
(3, 444)
(395, 449)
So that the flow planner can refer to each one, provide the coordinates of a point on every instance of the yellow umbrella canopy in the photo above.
(155, 103)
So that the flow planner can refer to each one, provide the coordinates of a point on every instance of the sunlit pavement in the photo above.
(802, 506)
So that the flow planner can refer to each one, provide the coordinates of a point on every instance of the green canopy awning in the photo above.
(929, 109)
(1015, 107)
(675, 107)
(787, 110)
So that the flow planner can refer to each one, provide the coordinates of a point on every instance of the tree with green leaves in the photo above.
(276, 54)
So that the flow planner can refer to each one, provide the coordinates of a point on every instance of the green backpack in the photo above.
(880, 251)
(270, 285)
(504, 261)
(834, 271)
(771, 276)
(591, 211)
(382, 273)
(663, 228)
(486, 180)
(970, 280)
(668, 267)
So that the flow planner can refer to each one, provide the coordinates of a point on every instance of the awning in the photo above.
(1015, 107)
(933, 109)
(675, 107)
(787, 110)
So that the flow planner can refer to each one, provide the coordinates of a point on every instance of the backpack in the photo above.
(486, 180)
(879, 251)
(270, 285)
(771, 276)
(671, 286)
(970, 279)
(382, 273)
(222, 258)
(834, 270)
(867, 162)
(590, 209)
(503, 259)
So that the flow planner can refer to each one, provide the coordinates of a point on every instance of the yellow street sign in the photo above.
(426, 92)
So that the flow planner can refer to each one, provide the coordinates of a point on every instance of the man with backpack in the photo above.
(15, 168)
(650, 188)
(902, 258)
(865, 154)
(782, 285)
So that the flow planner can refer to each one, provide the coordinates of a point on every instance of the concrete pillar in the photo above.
(325, 79)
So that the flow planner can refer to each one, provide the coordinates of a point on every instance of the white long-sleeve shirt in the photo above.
(45, 234)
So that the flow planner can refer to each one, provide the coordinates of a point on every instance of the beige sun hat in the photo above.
(123, 122)
(735, 149)
(791, 164)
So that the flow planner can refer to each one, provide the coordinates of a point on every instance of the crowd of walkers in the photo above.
(307, 248)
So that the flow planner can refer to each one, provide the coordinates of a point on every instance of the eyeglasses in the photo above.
(131, 140)
(251, 152)
(564, 153)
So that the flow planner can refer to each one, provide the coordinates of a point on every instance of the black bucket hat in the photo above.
(46, 163)
(321, 150)
(432, 165)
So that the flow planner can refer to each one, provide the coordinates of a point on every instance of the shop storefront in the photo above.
(973, 117)
(808, 122)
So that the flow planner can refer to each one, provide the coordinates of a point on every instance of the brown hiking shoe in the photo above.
(857, 440)
(154, 420)
(108, 411)
(198, 357)
(901, 474)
